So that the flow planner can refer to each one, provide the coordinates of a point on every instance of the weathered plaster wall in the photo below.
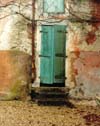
(84, 51)
(15, 48)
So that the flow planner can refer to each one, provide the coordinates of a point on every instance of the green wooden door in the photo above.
(52, 57)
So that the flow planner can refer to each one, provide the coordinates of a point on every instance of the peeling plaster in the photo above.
(5, 36)
(83, 51)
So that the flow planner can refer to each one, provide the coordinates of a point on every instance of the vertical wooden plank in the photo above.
(46, 61)
(59, 54)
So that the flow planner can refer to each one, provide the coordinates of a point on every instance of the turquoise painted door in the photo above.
(52, 57)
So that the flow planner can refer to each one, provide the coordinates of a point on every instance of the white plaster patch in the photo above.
(5, 36)
(13, 35)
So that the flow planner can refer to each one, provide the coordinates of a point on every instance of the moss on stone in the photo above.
(19, 91)
(16, 90)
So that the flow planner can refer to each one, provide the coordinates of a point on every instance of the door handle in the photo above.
(44, 31)
(44, 56)
(61, 55)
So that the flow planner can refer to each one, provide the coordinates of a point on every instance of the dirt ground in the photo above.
(18, 113)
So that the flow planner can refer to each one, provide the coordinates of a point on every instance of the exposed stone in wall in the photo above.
(79, 9)
(15, 48)
(83, 36)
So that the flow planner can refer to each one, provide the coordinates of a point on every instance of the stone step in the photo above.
(50, 89)
(50, 95)
(52, 102)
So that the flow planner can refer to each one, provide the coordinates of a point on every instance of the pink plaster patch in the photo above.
(5, 2)
(88, 66)
(91, 37)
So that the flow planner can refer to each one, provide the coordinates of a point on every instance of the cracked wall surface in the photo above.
(15, 48)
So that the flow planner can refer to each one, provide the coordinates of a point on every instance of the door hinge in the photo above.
(61, 55)
(62, 31)
(44, 56)
(60, 77)
(44, 31)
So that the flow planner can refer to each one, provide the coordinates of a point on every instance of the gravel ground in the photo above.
(18, 113)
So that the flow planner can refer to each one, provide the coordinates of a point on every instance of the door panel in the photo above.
(46, 59)
(46, 71)
(46, 45)
(59, 54)
(59, 70)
